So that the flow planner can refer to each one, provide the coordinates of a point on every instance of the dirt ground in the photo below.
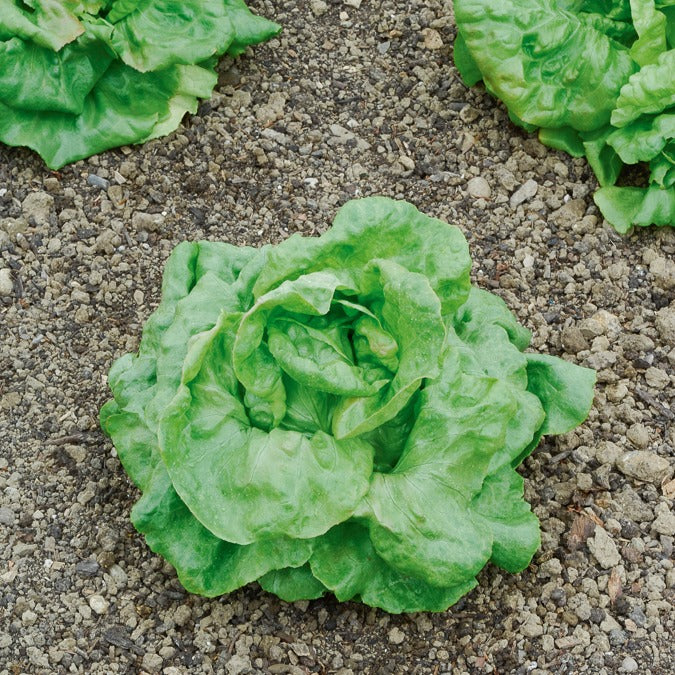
(356, 97)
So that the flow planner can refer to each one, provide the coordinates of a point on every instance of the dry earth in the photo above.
(355, 98)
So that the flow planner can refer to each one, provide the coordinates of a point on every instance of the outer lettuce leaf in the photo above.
(514, 528)
(293, 583)
(650, 90)
(36, 78)
(400, 513)
(249, 29)
(628, 206)
(195, 274)
(465, 63)
(563, 138)
(643, 139)
(345, 561)
(162, 33)
(126, 106)
(662, 167)
(651, 28)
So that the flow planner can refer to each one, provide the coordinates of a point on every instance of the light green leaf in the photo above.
(39, 79)
(205, 564)
(162, 33)
(441, 546)
(643, 139)
(563, 138)
(250, 484)
(651, 28)
(123, 108)
(465, 63)
(377, 227)
(249, 29)
(48, 23)
(650, 90)
(624, 207)
(411, 314)
(551, 67)
(564, 389)
(602, 157)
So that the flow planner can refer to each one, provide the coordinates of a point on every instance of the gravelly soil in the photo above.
(355, 98)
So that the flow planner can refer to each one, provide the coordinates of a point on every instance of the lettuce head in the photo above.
(338, 414)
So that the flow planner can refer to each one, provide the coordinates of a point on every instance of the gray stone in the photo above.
(147, 221)
(646, 466)
(318, 7)
(657, 378)
(664, 523)
(526, 191)
(98, 603)
(6, 516)
(629, 665)
(629, 505)
(97, 181)
(604, 549)
(36, 208)
(573, 340)
(152, 663)
(665, 324)
(663, 271)
(238, 664)
(87, 568)
(6, 282)
(479, 188)
(396, 636)
(570, 213)
(532, 626)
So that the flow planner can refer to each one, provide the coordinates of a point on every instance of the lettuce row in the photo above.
(595, 77)
(78, 77)
(337, 414)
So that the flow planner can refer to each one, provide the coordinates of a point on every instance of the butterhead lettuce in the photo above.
(337, 414)
(78, 77)
(595, 77)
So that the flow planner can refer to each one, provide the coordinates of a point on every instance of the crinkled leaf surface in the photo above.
(544, 62)
(343, 414)
(596, 77)
(161, 33)
(36, 78)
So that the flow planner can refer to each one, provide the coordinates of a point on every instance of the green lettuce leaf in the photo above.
(162, 33)
(628, 206)
(48, 23)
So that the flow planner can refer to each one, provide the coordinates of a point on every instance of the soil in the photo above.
(354, 98)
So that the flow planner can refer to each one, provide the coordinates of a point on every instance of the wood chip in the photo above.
(582, 528)
(614, 587)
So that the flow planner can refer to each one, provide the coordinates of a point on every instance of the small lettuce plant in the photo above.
(338, 414)
(81, 76)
